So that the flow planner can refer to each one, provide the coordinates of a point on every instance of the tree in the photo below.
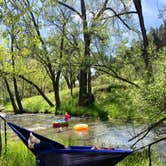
(39, 49)
(11, 29)
(145, 55)
(17, 30)
(85, 91)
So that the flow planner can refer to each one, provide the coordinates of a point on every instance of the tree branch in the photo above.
(159, 140)
(101, 10)
(146, 131)
(121, 14)
(115, 75)
(109, 8)
(71, 8)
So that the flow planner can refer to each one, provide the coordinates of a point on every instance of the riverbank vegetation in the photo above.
(112, 101)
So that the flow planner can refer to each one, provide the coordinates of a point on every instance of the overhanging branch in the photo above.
(146, 131)
(71, 8)
(115, 75)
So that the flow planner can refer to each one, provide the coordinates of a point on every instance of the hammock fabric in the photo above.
(55, 154)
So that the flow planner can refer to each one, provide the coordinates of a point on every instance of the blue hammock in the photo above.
(55, 154)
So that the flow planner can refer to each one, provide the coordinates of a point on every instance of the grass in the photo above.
(140, 159)
(110, 103)
(18, 155)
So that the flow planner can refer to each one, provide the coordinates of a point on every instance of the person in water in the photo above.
(66, 117)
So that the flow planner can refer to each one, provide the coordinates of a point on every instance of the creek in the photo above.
(102, 133)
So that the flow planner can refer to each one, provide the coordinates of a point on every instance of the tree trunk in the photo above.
(148, 64)
(38, 89)
(56, 87)
(57, 97)
(83, 96)
(84, 93)
(90, 95)
(20, 108)
(71, 82)
(85, 81)
(19, 104)
(67, 82)
(0, 139)
(50, 70)
(16, 111)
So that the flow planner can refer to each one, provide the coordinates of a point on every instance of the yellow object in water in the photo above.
(81, 127)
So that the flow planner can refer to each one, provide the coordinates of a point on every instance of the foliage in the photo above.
(140, 159)
(34, 104)
(150, 98)
(111, 101)
(17, 155)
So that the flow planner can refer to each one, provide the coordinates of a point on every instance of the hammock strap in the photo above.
(5, 132)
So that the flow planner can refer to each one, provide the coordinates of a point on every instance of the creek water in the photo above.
(102, 133)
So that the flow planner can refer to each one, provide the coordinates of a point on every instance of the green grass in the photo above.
(18, 155)
(140, 159)
(111, 102)
(34, 104)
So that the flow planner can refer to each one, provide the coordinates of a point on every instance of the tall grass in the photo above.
(17, 155)
(140, 159)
